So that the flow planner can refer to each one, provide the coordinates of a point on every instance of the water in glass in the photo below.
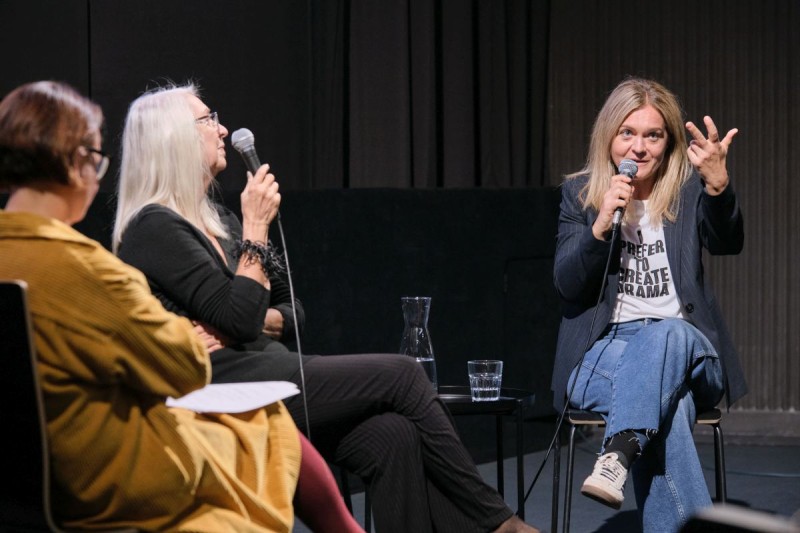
(485, 379)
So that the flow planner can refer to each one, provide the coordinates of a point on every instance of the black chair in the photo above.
(344, 486)
(577, 418)
(25, 496)
(25, 461)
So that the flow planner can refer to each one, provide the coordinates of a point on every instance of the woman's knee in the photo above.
(673, 340)
(381, 364)
(402, 370)
(668, 327)
(683, 331)
(403, 363)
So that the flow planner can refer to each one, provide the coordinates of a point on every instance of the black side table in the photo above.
(512, 402)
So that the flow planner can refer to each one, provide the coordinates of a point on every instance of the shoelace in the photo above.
(610, 469)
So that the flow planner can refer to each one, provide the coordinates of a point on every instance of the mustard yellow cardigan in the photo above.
(109, 355)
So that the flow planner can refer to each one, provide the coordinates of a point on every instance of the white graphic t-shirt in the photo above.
(646, 288)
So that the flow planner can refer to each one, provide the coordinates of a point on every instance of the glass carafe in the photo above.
(416, 340)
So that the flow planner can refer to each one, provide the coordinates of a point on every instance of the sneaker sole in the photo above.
(601, 496)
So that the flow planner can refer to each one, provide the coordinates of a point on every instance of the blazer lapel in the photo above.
(673, 232)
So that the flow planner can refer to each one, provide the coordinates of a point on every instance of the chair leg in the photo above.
(568, 483)
(556, 479)
(719, 465)
(367, 511)
(501, 482)
(344, 486)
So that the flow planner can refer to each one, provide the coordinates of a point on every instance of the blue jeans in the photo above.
(648, 376)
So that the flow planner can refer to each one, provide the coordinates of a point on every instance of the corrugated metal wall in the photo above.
(739, 62)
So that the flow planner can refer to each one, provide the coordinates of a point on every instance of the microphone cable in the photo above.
(243, 142)
(560, 422)
(296, 326)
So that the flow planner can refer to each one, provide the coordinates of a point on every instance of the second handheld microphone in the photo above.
(245, 143)
(627, 167)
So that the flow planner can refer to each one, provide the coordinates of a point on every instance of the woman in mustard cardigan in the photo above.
(109, 355)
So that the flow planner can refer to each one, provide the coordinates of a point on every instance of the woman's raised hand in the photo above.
(708, 154)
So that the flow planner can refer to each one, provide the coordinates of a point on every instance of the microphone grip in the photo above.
(251, 160)
(617, 218)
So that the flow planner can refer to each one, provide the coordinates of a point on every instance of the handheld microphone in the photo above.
(627, 167)
(245, 143)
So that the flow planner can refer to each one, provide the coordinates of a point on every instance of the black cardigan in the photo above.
(190, 278)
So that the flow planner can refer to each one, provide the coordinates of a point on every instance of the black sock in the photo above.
(626, 444)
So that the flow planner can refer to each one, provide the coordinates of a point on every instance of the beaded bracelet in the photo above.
(270, 260)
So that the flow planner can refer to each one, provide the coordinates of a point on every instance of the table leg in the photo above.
(501, 484)
(556, 478)
(520, 466)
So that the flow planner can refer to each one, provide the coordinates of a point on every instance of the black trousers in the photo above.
(378, 416)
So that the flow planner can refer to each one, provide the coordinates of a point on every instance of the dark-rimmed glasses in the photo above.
(101, 166)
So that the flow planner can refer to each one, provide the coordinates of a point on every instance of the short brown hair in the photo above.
(41, 125)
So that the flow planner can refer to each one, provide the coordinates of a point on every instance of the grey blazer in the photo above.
(704, 221)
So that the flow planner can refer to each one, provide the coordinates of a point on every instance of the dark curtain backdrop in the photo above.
(421, 93)
(53, 46)
(251, 59)
(339, 93)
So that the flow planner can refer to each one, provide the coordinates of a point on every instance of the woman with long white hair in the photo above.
(375, 414)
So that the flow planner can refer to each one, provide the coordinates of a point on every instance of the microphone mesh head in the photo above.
(242, 139)
(627, 167)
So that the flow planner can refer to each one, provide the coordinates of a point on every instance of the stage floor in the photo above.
(763, 478)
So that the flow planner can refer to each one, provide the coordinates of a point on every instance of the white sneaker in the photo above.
(607, 481)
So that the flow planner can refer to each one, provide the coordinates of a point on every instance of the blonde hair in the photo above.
(630, 95)
(163, 162)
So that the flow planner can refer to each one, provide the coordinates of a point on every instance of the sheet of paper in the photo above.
(234, 397)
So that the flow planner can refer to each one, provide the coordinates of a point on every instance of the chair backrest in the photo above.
(25, 490)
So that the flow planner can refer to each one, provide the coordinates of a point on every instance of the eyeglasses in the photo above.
(101, 166)
(211, 120)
